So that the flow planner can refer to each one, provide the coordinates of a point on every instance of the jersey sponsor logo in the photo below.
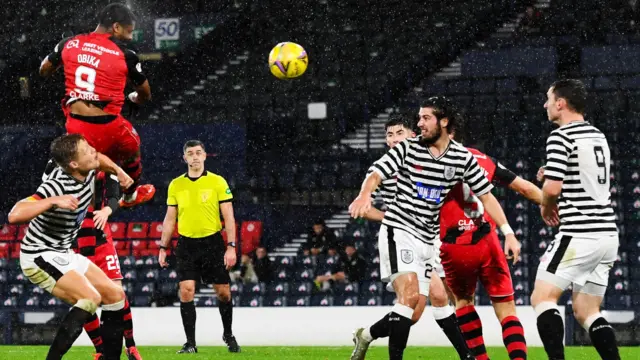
(75, 43)
(228, 191)
(60, 261)
(466, 225)
(429, 193)
(449, 172)
(406, 256)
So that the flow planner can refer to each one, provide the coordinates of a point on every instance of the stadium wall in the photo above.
(302, 326)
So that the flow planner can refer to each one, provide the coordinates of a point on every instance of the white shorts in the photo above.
(46, 268)
(401, 253)
(581, 262)
(437, 263)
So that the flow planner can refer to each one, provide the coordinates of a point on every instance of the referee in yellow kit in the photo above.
(197, 198)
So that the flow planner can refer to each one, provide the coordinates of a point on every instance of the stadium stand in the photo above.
(359, 70)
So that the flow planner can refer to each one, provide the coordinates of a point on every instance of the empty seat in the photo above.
(118, 230)
(299, 301)
(8, 232)
(137, 230)
(251, 301)
(250, 235)
(278, 288)
(345, 301)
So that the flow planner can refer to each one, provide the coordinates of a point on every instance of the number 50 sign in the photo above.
(167, 33)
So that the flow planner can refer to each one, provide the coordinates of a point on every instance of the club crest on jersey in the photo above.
(429, 193)
(60, 261)
(406, 256)
(75, 43)
(449, 172)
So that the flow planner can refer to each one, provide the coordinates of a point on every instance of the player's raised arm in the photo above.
(137, 79)
(112, 197)
(381, 170)
(108, 166)
(53, 61)
(49, 195)
(480, 185)
(506, 177)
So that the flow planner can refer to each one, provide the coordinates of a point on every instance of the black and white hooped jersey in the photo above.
(578, 155)
(55, 229)
(423, 182)
(386, 191)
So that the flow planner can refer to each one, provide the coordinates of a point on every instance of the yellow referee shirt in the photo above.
(198, 201)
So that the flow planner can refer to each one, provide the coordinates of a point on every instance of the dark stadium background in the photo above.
(368, 59)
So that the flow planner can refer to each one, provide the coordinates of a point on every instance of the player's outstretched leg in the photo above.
(446, 318)
(586, 307)
(136, 194)
(400, 318)
(471, 328)
(512, 330)
(129, 342)
(362, 337)
(92, 327)
(111, 318)
(71, 328)
(544, 300)
(63, 279)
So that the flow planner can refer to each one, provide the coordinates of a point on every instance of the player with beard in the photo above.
(399, 128)
(427, 168)
(97, 67)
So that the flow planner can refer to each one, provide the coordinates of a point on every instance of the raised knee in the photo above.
(114, 295)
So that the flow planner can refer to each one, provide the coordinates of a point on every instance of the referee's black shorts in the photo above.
(202, 259)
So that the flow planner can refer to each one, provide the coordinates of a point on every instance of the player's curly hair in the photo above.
(444, 108)
(116, 13)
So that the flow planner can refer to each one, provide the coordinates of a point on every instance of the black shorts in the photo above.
(202, 259)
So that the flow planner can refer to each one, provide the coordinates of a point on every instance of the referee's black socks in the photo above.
(188, 313)
(70, 328)
(399, 327)
(226, 314)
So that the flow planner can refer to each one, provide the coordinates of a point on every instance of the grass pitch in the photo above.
(299, 353)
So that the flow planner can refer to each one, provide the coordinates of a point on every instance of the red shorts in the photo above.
(106, 258)
(116, 138)
(464, 265)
